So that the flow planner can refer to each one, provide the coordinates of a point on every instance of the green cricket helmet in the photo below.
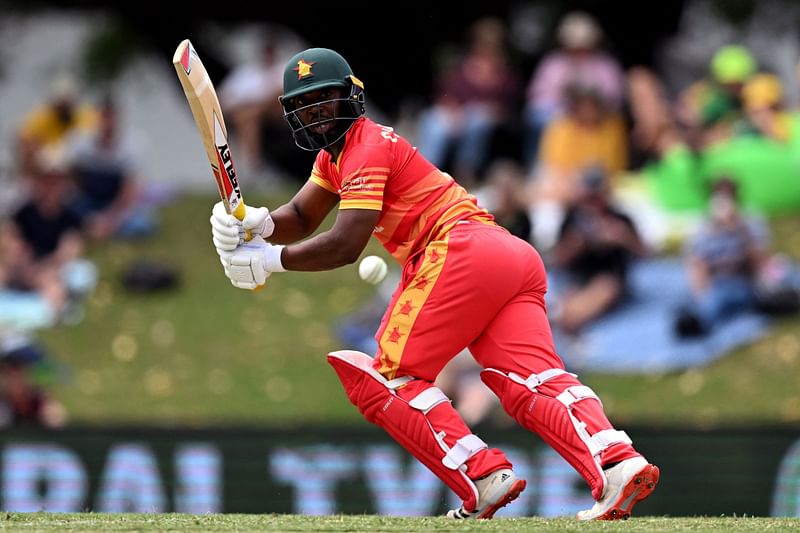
(312, 70)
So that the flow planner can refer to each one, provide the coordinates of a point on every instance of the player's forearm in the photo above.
(325, 251)
(302, 215)
(290, 225)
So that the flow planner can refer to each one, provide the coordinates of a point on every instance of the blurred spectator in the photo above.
(23, 399)
(41, 238)
(711, 108)
(475, 96)
(40, 248)
(505, 197)
(49, 125)
(595, 247)
(42, 280)
(723, 261)
(762, 100)
(105, 165)
(588, 135)
(744, 131)
(655, 125)
(579, 60)
(709, 111)
(249, 98)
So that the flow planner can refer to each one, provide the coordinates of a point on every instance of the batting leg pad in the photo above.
(422, 420)
(565, 414)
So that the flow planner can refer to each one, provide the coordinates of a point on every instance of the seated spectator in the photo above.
(723, 261)
(105, 165)
(48, 126)
(41, 241)
(589, 135)
(707, 112)
(475, 96)
(249, 98)
(711, 108)
(655, 127)
(579, 60)
(755, 141)
(504, 196)
(595, 246)
(23, 398)
(764, 110)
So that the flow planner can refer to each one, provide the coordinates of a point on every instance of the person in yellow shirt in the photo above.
(47, 126)
(587, 136)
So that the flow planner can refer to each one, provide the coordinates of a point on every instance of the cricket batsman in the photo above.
(466, 282)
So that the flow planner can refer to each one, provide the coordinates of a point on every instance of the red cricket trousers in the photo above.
(479, 287)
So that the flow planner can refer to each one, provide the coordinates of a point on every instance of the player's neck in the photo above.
(335, 149)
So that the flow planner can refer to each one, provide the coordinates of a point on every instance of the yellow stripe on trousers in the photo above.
(408, 307)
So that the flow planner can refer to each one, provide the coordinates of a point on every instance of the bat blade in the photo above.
(207, 113)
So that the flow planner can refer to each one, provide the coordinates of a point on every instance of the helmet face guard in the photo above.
(344, 110)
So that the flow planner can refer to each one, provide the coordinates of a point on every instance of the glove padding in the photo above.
(249, 265)
(228, 232)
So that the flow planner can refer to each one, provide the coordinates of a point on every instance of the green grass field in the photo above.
(208, 353)
(88, 522)
(34, 522)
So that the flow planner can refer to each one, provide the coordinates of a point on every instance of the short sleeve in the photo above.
(321, 178)
(364, 173)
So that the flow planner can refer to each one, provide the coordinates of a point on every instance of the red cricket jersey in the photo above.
(380, 170)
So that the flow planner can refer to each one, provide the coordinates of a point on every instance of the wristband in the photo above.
(272, 258)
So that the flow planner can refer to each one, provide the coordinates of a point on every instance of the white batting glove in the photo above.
(249, 265)
(228, 232)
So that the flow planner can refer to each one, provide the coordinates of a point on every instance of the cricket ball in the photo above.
(372, 269)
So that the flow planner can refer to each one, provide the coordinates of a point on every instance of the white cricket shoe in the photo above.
(496, 490)
(627, 483)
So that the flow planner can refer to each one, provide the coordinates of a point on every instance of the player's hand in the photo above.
(229, 232)
(249, 265)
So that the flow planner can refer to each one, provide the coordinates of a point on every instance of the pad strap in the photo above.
(534, 380)
(608, 437)
(428, 399)
(396, 383)
(575, 394)
(465, 447)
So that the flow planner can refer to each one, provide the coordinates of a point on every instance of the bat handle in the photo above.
(239, 213)
(248, 235)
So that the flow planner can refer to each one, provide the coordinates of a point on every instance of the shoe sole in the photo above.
(638, 488)
(510, 496)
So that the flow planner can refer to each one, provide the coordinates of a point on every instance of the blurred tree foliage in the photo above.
(109, 50)
(735, 11)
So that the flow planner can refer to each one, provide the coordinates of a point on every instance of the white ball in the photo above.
(372, 269)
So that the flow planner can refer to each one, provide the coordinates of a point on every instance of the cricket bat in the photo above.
(207, 115)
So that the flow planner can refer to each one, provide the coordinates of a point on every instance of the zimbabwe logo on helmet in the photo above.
(303, 68)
